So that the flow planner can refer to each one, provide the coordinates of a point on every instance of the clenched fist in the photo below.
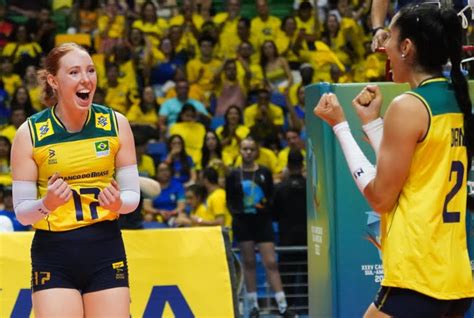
(329, 109)
(109, 198)
(59, 192)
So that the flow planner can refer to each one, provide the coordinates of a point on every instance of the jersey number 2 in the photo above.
(458, 168)
(92, 206)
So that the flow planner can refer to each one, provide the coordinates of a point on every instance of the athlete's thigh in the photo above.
(112, 302)
(373, 312)
(58, 302)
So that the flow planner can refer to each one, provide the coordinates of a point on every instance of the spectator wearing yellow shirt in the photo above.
(118, 95)
(264, 26)
(231, 133)
(121, 54)
(11, 81)
(276, 71)
(23, 51)
(289, 41)
(111, 25)
(227, 22)
(188, 19)
(263, 110)
(244, 34)
(295, 142)
(306, 21)
(185, 47)
(195, 195)
(149, 23)
(191, 131)
(307, 77)
(216, 202)
(145, 113)
(201, 70)
(34, 88)
(248, 72)
(341, 41)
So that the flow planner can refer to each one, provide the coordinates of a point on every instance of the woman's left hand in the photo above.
(109, 198)
(329, 109)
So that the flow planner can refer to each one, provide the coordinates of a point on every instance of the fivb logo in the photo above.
(102, 148)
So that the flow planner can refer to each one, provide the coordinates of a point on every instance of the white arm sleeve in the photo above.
(127, 178)
(28, 208)
(362, 170)
(374, 131)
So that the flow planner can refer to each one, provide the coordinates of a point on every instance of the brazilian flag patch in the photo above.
(102, 148)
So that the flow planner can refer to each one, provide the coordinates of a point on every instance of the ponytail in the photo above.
(48, 96)
(453, 31)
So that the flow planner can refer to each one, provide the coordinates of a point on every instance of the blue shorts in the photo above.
(406, 303)
(88, 259)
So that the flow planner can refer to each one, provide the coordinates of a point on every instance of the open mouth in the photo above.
(83, 96)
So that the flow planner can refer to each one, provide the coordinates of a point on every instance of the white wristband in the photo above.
(127, 178)
(374, 131)
(361, 169)
(28, 208)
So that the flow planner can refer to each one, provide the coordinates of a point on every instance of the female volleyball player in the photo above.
(74, 172)
(419, 184)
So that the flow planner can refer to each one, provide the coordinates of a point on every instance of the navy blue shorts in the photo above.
(253, 227)
(406, 303)
(88, 259)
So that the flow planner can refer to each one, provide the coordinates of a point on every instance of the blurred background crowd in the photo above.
(194, 78)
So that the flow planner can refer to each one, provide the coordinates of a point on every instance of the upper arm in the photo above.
(23, 166)
(406, 122)
(126, 155)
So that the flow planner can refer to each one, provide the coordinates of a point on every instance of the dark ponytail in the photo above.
(453, 31)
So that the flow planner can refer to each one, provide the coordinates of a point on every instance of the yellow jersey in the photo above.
(424, 245)
(216, 205)
(85, 160)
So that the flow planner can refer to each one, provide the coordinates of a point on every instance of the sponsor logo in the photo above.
(102, 148)
(52, 160)
(120, 271)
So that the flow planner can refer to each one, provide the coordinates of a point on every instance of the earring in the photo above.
(403, 56)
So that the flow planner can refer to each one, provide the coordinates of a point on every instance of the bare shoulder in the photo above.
(23, 137)
(409, 112)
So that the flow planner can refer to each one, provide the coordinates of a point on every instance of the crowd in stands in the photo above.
(192, 80)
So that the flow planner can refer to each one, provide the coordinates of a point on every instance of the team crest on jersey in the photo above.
(102, 148)
(102, 121)
(44, 129)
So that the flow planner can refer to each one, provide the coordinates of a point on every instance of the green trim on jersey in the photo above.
(440, 96)
(46, 128)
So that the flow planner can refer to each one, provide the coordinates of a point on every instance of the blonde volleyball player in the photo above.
(74, 172)
(419, 183)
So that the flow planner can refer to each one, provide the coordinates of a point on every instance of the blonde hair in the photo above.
(51, 66)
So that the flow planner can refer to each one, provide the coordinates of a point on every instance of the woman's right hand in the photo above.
(329, 109)
(368, 104)
(59, 192)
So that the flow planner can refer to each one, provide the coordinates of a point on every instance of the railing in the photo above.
(293, 265)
